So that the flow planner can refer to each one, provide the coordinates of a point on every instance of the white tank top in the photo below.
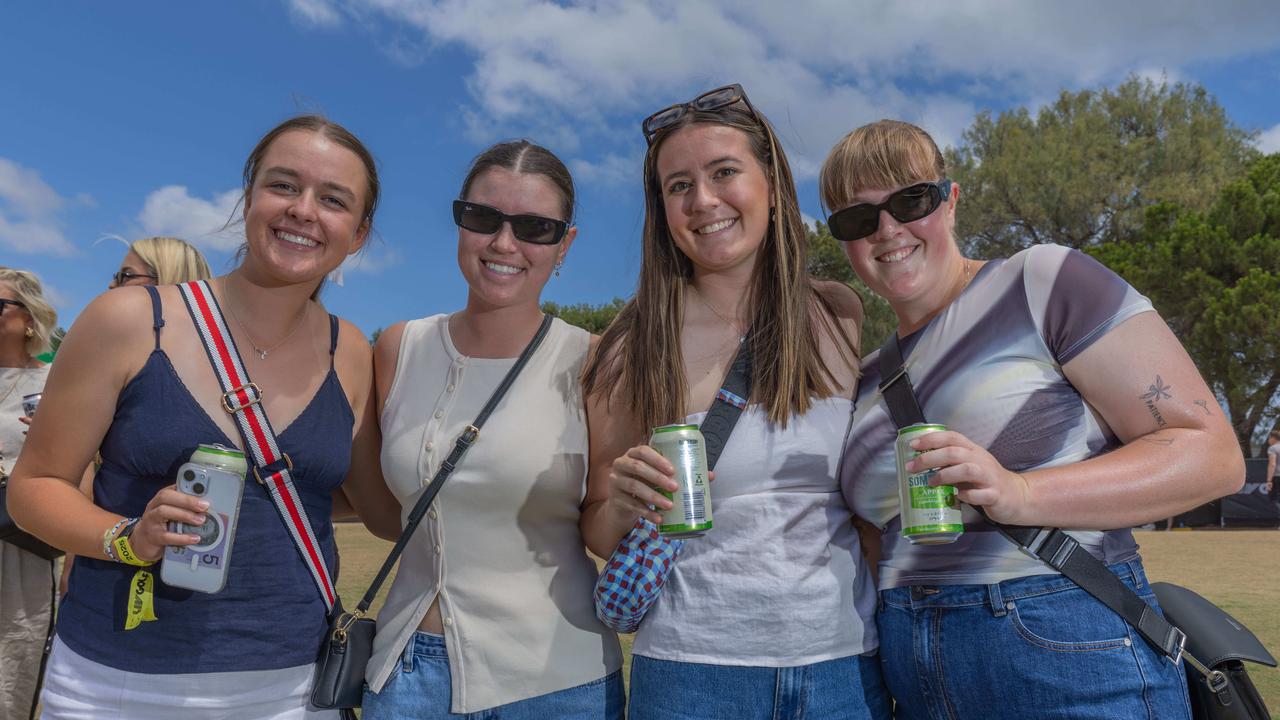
(779, 580)
(500, 546)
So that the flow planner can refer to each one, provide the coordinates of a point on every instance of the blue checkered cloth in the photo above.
(634, 575)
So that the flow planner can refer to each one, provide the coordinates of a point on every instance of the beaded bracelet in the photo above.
(108, 539)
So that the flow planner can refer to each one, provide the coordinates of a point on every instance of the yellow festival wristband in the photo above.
(141, 604)
(126, 555)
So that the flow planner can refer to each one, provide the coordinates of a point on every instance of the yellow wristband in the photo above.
(126, 555)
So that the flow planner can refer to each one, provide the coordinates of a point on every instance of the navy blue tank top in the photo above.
(270, 614)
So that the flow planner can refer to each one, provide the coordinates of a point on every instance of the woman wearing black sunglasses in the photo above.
(1069, 404)
(769, 614)
(491, 606)
(160, 261)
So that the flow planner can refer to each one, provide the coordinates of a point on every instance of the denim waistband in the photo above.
(996, 595)
(425, 644)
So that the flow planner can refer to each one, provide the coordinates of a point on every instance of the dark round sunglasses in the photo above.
(123, 276)
(906, 205)
(527, 228)
(721, 97)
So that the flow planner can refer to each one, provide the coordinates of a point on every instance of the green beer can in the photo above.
(690, 513)
(930, 515)
(221, 456)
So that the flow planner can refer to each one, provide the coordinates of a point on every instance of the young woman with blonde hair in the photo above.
(160, 260)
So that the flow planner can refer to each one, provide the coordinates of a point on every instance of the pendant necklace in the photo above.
(736, 327)
(263, 352)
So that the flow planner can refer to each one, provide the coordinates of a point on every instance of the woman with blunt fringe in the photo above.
(133, 381)
(27, 322)
(160, 261)
(769, 614)
(1068, 404)
(491, 611)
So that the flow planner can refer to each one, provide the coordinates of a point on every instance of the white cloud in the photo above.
(576, 70)
(373, 260)
(1269, 140)
(172, 211)
(29, 213)
(611, 170)
(315, 13)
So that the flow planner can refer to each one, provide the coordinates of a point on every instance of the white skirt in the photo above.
(76, 688)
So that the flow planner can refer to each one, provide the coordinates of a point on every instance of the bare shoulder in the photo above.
(353, 357)
(114, 334)
(386, 351)
(843, 300)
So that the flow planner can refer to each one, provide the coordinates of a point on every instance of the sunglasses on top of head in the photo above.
(906, 205)
(721, 97)
(5, 302)
(527, 228)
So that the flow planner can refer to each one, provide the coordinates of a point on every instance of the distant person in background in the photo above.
(1273, 459)
(26, 580)
(160, 261)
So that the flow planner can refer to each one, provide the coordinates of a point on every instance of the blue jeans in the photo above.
(421, 690)
(1030, 648)
(848, 688)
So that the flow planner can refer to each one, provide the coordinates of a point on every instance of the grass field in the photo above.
(1239, 570)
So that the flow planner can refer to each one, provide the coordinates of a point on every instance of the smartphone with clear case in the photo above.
(204, 565)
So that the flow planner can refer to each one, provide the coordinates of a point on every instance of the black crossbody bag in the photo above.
(1220, 687)
(340, 669)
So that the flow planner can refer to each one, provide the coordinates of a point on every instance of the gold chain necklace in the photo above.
(262, 352)
(736, 327)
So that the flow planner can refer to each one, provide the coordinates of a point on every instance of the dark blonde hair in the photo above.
(639, 356)
(884, 154)
(44, 319)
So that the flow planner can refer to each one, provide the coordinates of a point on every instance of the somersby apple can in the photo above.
(930, 514)
(690, 513)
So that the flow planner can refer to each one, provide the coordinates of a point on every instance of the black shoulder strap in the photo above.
(1054, 547)
(465, 441)
(157, 314)
(730, 401)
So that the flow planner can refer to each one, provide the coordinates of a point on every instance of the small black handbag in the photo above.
(1226, 692)
(12, 534)
(340, 669)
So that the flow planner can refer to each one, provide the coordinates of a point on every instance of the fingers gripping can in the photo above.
(930, 515)
(690, 513)
(221, 456)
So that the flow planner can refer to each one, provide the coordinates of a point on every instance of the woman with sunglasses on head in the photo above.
(160, 261)
(134, 381)
(1068, 403)
(723, 267)
(27, 322)
(491, 610)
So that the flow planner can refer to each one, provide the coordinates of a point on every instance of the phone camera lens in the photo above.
(189, 476)
(198, 488)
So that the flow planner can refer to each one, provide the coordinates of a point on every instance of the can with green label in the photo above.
(221, 456)
(690, 513)
(930, 515)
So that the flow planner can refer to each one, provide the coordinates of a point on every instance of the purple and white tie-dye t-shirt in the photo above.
(990, 366)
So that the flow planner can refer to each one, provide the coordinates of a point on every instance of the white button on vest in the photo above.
(439, 414)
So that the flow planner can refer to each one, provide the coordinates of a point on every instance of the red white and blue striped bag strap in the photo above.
(242, 399)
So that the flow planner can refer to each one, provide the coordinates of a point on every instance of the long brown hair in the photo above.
(639, 356)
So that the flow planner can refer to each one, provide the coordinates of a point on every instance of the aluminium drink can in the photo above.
(29, 403)
(221, 456)
(690, 513)
(930, 515)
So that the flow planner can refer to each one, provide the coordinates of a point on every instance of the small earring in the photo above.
(30, 332)
(559, 264)
(773, 215)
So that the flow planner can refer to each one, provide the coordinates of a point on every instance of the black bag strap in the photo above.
(465, 441)
(731, 400)
(1050, 545)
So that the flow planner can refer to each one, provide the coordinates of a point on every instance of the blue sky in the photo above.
(134, 118)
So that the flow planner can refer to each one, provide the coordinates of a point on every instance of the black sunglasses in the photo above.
(4, 302)
(721, 97)
(906, 205)
(123, 276)
(527, 228)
